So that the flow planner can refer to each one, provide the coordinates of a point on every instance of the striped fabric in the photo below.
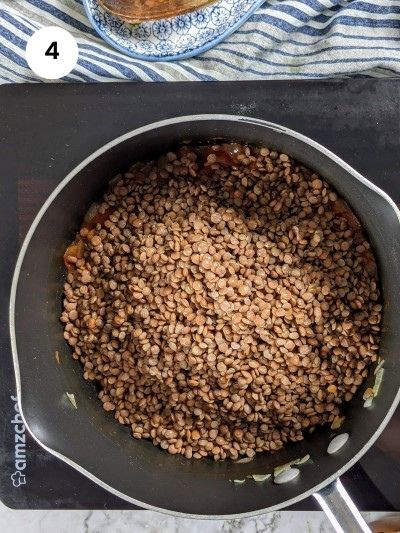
(283, 39)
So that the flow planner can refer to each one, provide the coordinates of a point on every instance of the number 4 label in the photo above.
(52, 50)
(52, 53)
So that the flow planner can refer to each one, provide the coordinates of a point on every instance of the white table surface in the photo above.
(151, 522)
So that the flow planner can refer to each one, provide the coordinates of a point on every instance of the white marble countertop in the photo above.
(150, 522)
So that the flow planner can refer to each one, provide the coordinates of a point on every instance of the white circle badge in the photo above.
(52, 52)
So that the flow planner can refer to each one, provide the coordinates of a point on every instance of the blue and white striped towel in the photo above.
(283, 39)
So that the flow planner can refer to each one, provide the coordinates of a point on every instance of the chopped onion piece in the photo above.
(287, 466)
(239, 481)
(244, 460)
(281, 468)
(378, 381)
(301, 460)
(259, 478)
(71, 398)
(368, 402)
(368, 393)
(379, 366)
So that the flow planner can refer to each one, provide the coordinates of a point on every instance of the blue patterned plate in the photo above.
(175, 38)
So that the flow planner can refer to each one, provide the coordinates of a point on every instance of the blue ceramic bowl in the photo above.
(175, 38)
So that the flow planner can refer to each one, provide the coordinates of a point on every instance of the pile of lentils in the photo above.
(225, 300)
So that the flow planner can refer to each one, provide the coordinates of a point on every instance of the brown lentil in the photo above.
(224, 299)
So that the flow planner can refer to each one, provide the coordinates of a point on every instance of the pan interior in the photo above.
(91, 438)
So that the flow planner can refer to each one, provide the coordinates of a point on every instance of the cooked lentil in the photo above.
(225, 299)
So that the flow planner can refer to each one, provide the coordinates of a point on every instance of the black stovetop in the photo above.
(45, 130)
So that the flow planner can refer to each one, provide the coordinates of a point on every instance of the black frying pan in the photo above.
(90, 440)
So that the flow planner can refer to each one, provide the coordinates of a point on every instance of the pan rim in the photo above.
(114, 142)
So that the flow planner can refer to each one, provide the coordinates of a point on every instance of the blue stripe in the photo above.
(93, 68)
(128, 73)
(375, 8)
(153, 75)
(109, 53)
(16, 23)
(82, 75)
(13, 38)
(12, 56)
(322, 18)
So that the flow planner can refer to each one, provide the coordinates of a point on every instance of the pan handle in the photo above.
(340, 509)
